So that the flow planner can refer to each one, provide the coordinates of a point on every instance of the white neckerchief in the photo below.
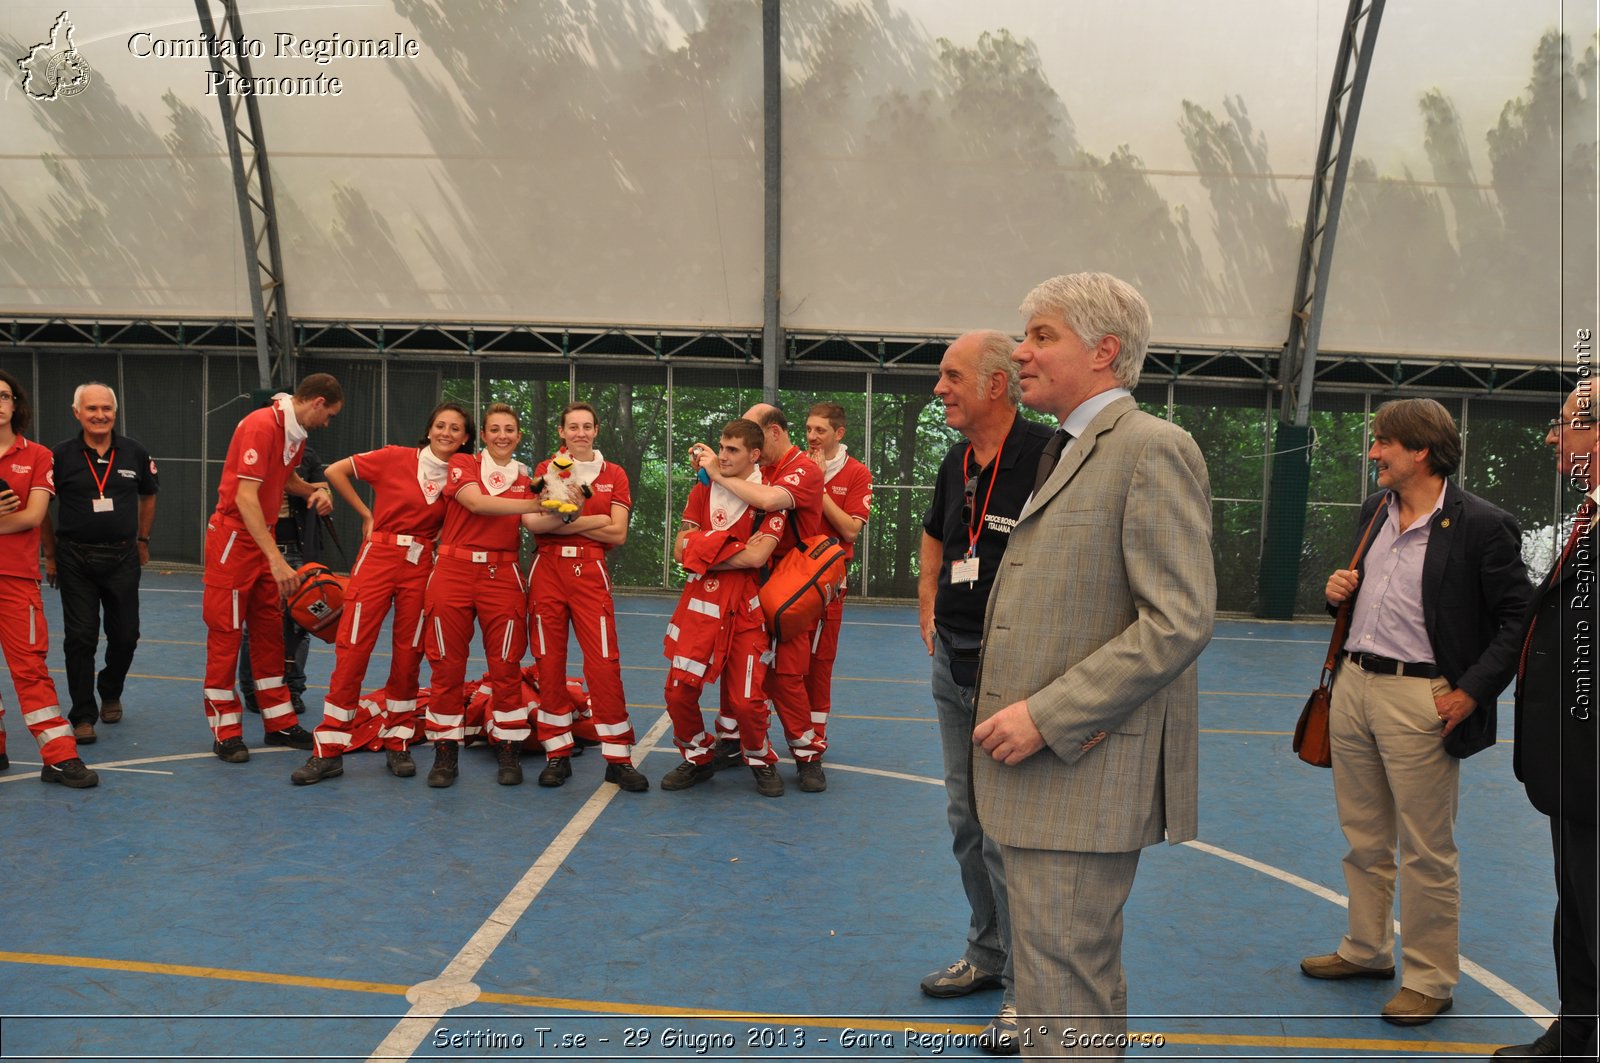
(494, 477)
(834, 464)
(293, 434)
(585, 471)
(431, 475)
(727, 507)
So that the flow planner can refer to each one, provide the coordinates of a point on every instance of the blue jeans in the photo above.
(983, 876)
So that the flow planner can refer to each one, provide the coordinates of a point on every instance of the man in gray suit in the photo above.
(1087, 697)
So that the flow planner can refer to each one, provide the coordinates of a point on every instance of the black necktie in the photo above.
(1051, 455)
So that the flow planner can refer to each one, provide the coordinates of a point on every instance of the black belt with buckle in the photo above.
(115, 544)
(1371, 662)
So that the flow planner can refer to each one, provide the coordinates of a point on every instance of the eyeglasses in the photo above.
(6, 396)
(971, 492)
(1558, 423)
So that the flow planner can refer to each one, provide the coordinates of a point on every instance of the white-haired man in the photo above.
(95, 549)
(983, 483)
(1088, 712)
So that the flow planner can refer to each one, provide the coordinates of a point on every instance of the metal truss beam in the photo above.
(1322, 213)
(1290, 475)
(741, 348)
(252, 182)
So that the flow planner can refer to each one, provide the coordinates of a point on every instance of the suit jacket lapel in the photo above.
(1078, 453)
(1437, 558)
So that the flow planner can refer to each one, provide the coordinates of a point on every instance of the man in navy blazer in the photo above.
(1439, 593)
(1557, 748)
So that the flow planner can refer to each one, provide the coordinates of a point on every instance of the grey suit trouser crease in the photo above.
(1066, 943)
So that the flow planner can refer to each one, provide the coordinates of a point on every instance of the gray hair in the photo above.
(1094, 306)
(77, 394)
(994, 356)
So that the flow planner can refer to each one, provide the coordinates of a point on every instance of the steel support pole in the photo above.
(252, 184)
(1285, 516)
(772, 180)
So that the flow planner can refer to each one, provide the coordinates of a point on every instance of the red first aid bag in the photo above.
(319, 602)
(802, 585)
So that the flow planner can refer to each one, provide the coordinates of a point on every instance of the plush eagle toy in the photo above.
(559, 491)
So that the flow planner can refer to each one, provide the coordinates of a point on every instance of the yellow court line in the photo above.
(562, 1004)
(181, 970)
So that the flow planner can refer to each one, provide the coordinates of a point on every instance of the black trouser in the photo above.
(296, 644)
(97, 580)
(1578, 898)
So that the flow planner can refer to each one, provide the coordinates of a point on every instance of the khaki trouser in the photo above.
(1397, 787)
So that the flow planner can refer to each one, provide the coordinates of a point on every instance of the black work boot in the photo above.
(509, 754)
(295, 737)
(71, 773)
(315, 769)
(726, 754)
(400, 763)
(628, 777)
(443, 772)
(557, 770)
(809, 772)
(768, 782)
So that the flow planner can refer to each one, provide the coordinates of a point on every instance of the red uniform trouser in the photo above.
(240, 592)
(569, 584)
(824, 648)
(457, 591)
(715, 636)
(382, 576)
(804, 730)
(24, 640)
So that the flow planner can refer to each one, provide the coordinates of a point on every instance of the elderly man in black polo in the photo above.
(95, 548)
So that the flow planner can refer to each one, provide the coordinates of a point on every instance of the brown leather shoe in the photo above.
(83, 734)
(1411, 1008)
(111, 710)
(1334, 965)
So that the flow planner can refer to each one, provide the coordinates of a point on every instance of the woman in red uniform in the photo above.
(476, 575)
(393, 567)
(569, 584)
(28, 472)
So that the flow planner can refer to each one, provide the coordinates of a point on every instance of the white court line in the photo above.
(1489, 980)
(453, 987)
(115, 765)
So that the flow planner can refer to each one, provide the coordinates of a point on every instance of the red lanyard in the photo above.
(100, 481)
(975, 529)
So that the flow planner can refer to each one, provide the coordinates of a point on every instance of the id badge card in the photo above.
(101, 505)
(413, 553)
(964, 571)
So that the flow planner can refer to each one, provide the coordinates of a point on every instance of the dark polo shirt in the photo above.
(958, 607)
(128, 472)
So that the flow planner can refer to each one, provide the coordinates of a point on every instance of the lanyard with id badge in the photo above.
(101, 504)
(966, 570)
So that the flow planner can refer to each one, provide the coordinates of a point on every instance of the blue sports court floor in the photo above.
(190, 909)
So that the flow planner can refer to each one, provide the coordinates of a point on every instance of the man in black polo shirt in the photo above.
(94, 551)
(983, 482)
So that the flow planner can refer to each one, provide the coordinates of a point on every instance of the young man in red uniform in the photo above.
(396, 559)
(476, 575)
(568, 583)
(846, 505)
(790, 481)
(246, 577)
(26, 468)
(718, 629)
